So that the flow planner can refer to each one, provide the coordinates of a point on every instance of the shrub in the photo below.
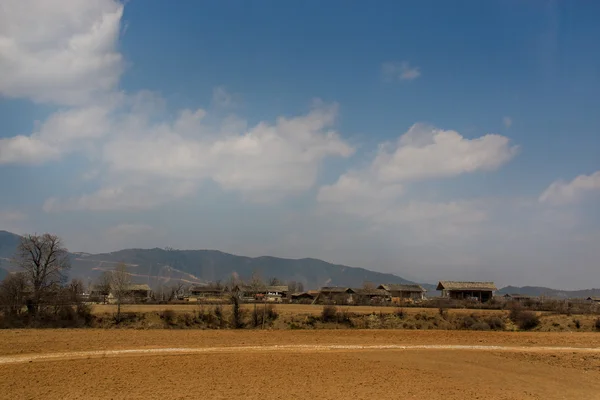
(219, 316)
(527, 320)
(271, 313)
(399, 312)
(329, 313)
(496, 323)
(237, 321)
(480, 326)
(597, 324)
(443, 312)
(468, 322)
(168, 316)
(577, 323)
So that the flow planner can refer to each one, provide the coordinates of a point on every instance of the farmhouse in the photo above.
(368, 295)
(594, 299)
(136, 293)
(520, 298)
(399, 293)
(263, 293)
(335, 294)
(480, 291)
(206, 291)
(304, 296)
(140, 292)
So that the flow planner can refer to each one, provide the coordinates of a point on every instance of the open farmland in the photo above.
(119, 364)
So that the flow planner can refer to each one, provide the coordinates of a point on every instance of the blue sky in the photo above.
(435, 140)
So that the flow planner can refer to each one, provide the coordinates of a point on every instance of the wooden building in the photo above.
(404, 292)
(479, 291)
(206, 291)
(372, 296)
(335, 295)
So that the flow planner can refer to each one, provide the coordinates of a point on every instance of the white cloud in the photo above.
(131, 197)
(507, 121)
(376, 193)
(64, 131)
(61, 51)
(265, 163)
(561, 192)
(425, 152)
(392, 71)
(26, 150)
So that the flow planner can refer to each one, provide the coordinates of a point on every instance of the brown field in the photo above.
(74, 364)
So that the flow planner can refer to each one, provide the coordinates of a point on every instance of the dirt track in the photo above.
(291, 364)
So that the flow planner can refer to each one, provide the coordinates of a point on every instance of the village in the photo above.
(459, 292)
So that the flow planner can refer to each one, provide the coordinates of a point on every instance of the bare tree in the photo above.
(120, 284)
(102, 285)
(12, 293)
(274, 281)
(44, 261)
(75, 289)
(299, 287)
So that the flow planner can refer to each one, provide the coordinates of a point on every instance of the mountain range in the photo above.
(168, 266)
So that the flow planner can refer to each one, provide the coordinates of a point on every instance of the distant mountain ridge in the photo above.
(156, 266)
(538, 291)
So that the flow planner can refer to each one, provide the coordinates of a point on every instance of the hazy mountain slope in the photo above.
(211, 265)
(544, 291)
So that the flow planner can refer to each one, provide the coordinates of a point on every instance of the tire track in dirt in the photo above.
(280, 348)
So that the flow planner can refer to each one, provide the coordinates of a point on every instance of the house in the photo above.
(262, 293)
(136, 293)
(480, 291)
(139, 293)
(302, 297)
(368, 295)
(404, 292)
(206, 291)
(335, 294)
(594, 299)
(520, 298)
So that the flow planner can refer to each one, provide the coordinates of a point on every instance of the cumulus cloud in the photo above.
(264, 163)
(425, 152)
(222, 98)
(561, 192)
(61, 51)
(64, 131)
(403, 71)
(376, 192)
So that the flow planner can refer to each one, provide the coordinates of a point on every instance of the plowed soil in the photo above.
(333, 364)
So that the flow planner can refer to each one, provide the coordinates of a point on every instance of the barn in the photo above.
(401, 292)
(457, 290)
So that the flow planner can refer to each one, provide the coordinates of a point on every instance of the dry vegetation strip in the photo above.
(283, 309)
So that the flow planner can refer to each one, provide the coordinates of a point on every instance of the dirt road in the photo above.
(93, 364)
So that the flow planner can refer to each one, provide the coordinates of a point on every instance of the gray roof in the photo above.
(456, 285)
(392, 287)
(371, 292)
(142, 286)
(207, 289)
(336, 289)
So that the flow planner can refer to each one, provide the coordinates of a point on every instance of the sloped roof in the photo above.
(593, 298)
(303, 294)
(210, 289)
(336, 289)
(142, 286)
(457, 285)
(371, 292)
(277, 288)
(392, 287)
